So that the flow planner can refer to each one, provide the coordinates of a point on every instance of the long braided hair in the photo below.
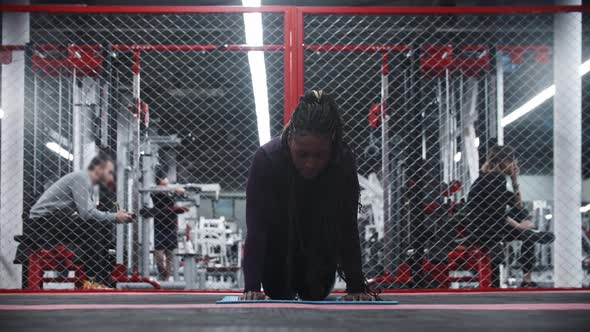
(317, 114)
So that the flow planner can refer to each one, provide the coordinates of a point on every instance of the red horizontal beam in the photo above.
(361, 48)
(12, 48)
(141, 9)
(412, 291)
(145, 47)
(233, 47)
(272, 47)
(307, 10)
(253, 48)
(419, 10)
(402, 48)
(153, 47)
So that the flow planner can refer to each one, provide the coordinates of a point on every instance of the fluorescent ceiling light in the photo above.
(60, 151)
(458, 157)
(539, 99)
(59, 139)
(548, 216)
(529, 105)
(253, 25)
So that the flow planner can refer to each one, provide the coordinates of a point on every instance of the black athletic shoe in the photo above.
(531, 284)
(539, 237)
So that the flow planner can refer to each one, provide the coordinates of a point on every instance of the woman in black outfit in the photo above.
(497, 215)
(165, 225)
(301, 210)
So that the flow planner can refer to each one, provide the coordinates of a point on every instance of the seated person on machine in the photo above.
(497, 215)
(66, 214)
(302, 202)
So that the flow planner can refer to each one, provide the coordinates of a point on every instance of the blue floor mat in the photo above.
(233, 299)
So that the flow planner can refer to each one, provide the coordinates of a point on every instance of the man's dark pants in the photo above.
(89, 240)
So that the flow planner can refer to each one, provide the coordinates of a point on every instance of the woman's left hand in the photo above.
(357, 297)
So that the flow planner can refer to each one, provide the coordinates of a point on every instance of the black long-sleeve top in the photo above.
(489, 203)
(164, 213)
(267, 214)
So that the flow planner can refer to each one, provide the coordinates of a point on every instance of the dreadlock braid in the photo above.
(317, 113)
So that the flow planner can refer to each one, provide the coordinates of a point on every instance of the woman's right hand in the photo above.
(253, 296)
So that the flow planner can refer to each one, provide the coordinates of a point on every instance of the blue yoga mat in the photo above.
(330, 300)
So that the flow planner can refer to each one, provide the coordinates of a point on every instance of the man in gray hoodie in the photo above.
(66, 214)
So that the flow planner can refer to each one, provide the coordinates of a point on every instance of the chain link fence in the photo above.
(173, 100)
(424, 99)
(169, 97)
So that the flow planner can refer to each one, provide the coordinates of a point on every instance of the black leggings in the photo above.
(527, 251)
(309, 284)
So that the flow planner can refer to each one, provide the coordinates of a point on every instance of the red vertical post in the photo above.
(484, 270)
(80, 276)
(294, 82)
(34, 272)
(136, 61)
(298, 56)
(287, 64)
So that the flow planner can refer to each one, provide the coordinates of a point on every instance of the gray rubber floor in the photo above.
(220, 318)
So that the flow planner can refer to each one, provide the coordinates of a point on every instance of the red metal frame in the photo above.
(293, 34)
(471, 258)
(287, 29)
(247, 48)
(48, 260)
(288, 12)
(141, 9)
(409, 291)
(431, 10)
(293, 29)
(85, 59)
(360, 48)
(516, 52)
(298, 56)
(417, 10)
(461, 258)
(157, 47)
(119, 274)
(293, 67)
(144, 47)
(187, 48)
